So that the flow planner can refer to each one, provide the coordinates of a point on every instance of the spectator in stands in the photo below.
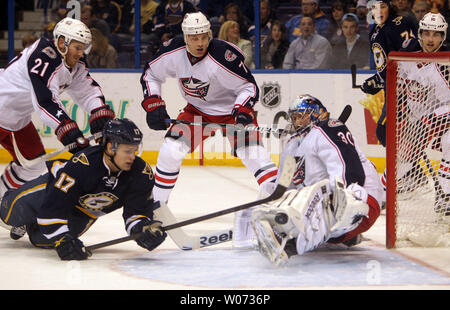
(109, 11)
(275, 48)
(148, 9)
(354, 49)
(361, 9)
(265, 22)
(310, 50)
(92, 21)
(420, 8)
(102, 54)
(403, 8)
(61, 10)
(229, 31)
(309, 8)
(168, 17)
(233, 12)
(334, 31)
(215, 9)
(28, 39)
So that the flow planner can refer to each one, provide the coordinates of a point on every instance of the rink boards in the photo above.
(123, 93)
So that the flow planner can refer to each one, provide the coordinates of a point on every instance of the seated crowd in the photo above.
(294, 34)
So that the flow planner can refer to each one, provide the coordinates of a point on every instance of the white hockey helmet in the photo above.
(433, 22)
(72, 29)
(195, 23)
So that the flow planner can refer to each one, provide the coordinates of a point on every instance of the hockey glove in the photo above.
(152, 235)
(68, 132)
(70, 248)
(243, 115)
(156, 112)
(373, 85)
(99, 117)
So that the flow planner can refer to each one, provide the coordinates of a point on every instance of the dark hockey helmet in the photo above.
(306, 105)
(121, 131)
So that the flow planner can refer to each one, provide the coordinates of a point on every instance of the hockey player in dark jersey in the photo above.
(33, 82)
(218, 88)
(59, 206)
(336, 192)
(389, 33)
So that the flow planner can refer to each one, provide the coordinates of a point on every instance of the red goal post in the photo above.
(411, 209)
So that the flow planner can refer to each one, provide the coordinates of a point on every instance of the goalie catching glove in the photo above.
(304, 219)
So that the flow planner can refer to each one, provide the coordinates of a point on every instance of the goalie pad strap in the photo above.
(366, 223)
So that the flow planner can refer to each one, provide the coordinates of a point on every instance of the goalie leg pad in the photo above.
(303, 215)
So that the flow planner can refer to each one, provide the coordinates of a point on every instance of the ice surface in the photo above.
(202, 190)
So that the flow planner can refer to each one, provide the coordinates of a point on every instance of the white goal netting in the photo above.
(419, 146)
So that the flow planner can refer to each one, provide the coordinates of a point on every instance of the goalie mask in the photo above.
(306, 111)
(433, 22)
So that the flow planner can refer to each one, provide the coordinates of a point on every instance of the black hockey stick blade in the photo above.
(287, 173)
(353, 70)
(345, 114)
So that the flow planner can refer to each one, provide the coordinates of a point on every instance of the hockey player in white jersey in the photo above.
(431, 117)
(218, 88)
(336, 192)
(33, 82)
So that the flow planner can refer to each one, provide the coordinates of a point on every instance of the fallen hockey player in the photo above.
(336, 192)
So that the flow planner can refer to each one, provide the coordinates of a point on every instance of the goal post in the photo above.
(417, 119)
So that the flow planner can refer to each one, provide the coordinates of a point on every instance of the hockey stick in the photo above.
(190, 242)
(353, 70)
(29, 163)
(285, 180)
(345, 114)
(186, 241)
(227, 126)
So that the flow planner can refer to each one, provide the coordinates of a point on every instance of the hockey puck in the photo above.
(281, 218)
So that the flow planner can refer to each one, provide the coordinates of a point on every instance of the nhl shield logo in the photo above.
(271, 95)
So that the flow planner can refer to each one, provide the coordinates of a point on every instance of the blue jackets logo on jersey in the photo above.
(194, 87)
(230, 56)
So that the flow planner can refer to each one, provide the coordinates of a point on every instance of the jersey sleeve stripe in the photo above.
(61, 230)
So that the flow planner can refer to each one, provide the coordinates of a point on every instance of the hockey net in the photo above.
(417, 150)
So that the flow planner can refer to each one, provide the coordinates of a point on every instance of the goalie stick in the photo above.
(343, 117)
(29, 163)
(287, 173)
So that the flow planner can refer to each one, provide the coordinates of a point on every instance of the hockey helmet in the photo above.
(195, 23)
(307, 105)
(72, 29)
(121, 131)
(433, 22)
